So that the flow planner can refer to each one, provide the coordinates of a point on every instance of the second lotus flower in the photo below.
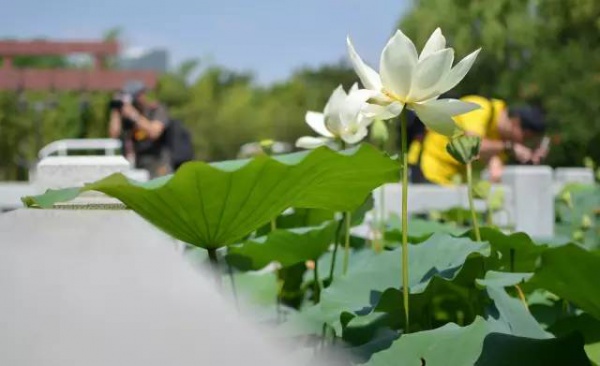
(409, 80)
(341, 119)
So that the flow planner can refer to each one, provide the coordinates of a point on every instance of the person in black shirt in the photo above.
(140, 124)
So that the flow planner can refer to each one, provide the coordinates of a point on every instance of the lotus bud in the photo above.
(586, 222)
(379, 132)
(267, 145)
(578, 236)
(588, 162)
(482, 189)
(464, 149)
(496, 200)
(565, 197)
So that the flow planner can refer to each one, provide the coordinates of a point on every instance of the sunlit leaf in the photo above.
(508, 350)
(588, 326)
(371, 275)
(503, 279)
(512, 252)
(448, 345)
(213, 205)
(286, 247)
(572, 273)
(512, 317)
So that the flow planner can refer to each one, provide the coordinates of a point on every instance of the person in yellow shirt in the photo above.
(505, 132)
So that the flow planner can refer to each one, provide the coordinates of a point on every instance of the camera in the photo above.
(118, 100)
(116, 103)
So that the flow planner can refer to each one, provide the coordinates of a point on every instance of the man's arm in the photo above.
(153, 127)
(493, 148)
(114, 127)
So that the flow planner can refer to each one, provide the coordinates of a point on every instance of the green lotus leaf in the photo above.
(512, 252)
(503, 279)
(572, 273)
(588, 326)
(480, 344)
(213, 205)
(371, 274)
(286, 247)
(448, 345)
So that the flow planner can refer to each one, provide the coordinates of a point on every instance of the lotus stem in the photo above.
(214, 264)
(317, 282)
(405, 289)
(381, 223)
(335, 249)
(471, 203)
(374, 230)
(490, 214)
(522, 297)
(347, 217)
(233, 286)
(274, 224)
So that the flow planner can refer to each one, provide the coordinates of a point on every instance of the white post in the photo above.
(533, 195)
(564, 176)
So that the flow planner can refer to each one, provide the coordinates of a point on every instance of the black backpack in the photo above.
(179, 142)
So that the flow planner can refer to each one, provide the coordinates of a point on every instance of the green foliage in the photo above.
(571, 273)
(531, 51)
(448, 345)
(578, 213)
(505, 300)
(222, 109)
(286, 247)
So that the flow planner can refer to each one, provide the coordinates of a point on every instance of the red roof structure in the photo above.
(97, 79)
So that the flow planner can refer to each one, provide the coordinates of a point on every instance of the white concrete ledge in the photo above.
(101, 288)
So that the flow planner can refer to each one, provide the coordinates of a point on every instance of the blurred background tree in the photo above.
(535, 51)
(542, 51)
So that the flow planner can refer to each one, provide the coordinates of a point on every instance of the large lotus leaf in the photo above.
(446, 301)
(255, 288)
(513, 253)
(512, 317)
(418, 229)
(509, 350)
(370, 275)
(212, 205)
(448, 345)
(480, 344)
(305, 217)
(302, 217)
(503, 279)
(440, 255)
(589, 328)
(286, 247)
(571, 273)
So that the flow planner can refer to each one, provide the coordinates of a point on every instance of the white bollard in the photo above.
(533, 199)
(57, 172)
(563, 176)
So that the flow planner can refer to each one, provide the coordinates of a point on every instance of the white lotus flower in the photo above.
(341, 119)
(407, 79)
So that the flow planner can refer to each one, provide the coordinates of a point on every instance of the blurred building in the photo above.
(156, 60)
(100, 77)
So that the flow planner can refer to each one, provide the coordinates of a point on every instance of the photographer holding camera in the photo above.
(140, 124)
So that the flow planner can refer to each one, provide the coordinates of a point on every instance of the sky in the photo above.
(270, 38)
